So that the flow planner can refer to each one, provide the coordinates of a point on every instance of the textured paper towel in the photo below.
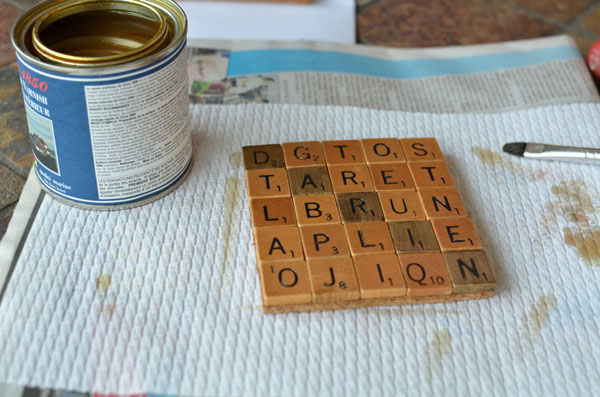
(165, 298)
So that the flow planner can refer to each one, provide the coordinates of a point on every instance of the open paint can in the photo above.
(105, 91)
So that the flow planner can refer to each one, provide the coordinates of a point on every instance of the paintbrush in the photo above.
(553, 152)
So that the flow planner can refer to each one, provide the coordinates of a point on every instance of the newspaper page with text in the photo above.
(463, 79)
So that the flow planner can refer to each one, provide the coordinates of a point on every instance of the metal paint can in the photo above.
(105, 89)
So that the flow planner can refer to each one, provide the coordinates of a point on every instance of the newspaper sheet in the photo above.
(462, 79)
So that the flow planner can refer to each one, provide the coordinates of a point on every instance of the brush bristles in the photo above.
(515, 148)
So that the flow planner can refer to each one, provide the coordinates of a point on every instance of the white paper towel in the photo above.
(165, 298)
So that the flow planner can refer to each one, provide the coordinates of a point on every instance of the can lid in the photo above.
(99, 32)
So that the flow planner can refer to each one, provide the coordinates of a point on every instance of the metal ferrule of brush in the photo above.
(561, 153)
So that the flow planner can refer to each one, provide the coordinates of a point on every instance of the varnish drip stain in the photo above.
(230, 203)
(235, 160)
(497, 160)
(103, 282)
(441, 344)
(576, 205)
(536, 319)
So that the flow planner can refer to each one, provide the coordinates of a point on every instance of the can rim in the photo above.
(174, 16)
(70, 8)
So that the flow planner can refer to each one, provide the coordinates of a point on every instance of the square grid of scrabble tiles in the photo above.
(340, 224)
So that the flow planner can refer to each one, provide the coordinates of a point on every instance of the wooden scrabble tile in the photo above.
(333, 280)
(343, 152)
(262, 157)
(285, 283)
(425, 274)
(456, 234)
(391, 176)
(369, 238)
(442, 202)
(421, 149)
(431, 174)
(277, 211)
(309, 180)
(303, 154)
(268, 183)
(401, 205)
(384, 150)
(315, 210)
(470, 271)
(413, 236)
(351, 178)
(278, 243)
(359, 207)
(379, 276)
(322, 241)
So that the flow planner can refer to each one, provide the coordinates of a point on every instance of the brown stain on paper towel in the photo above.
(103, 282)
(575, 204)
(441, 345)
(496, 160)
(536, 319)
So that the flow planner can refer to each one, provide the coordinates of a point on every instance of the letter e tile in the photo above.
(333, 280)
(456, 234)
(285, 283)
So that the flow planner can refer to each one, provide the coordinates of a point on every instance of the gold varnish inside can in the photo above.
(99, 32)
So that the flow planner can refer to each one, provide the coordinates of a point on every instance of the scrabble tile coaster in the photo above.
(355, 223)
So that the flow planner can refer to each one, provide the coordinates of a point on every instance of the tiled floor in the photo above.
(402, 23)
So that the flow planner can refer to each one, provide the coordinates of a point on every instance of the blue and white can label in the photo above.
(109, 139)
